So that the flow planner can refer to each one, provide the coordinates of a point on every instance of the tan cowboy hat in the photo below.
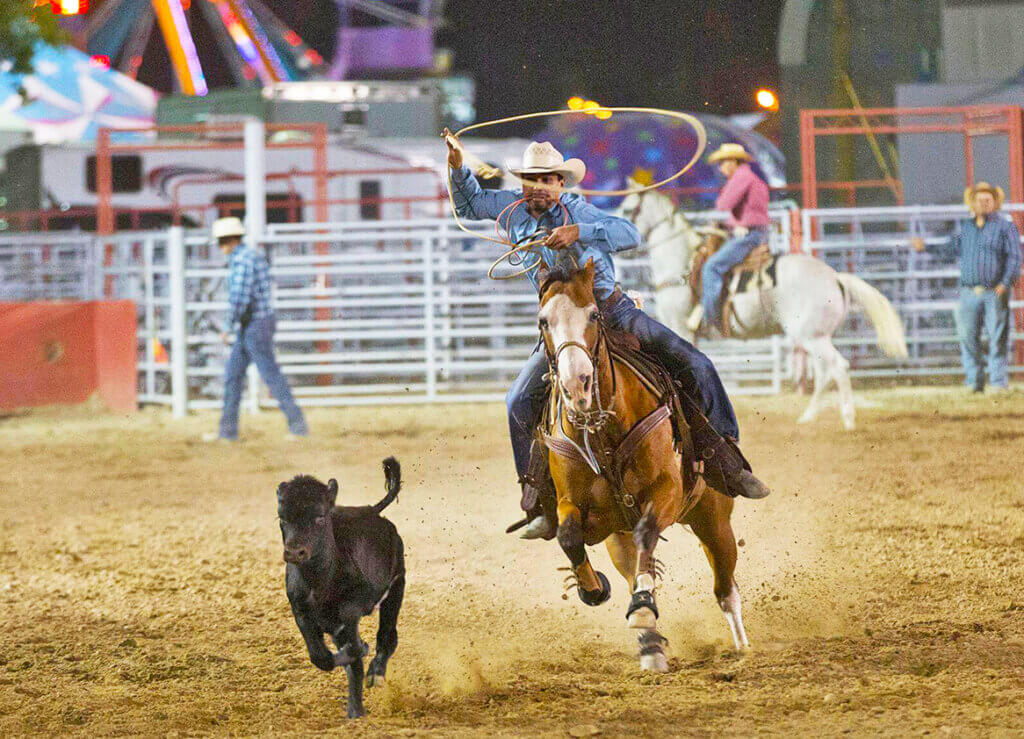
(730, 151)
(993, 190)
(226, 228)
(541, 157)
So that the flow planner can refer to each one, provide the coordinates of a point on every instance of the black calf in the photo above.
(343, 562)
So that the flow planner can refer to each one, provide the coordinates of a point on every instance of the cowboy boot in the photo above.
(724, 467)
(538, 499)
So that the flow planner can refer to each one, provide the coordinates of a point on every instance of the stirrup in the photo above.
(695, 319)
(540, 527)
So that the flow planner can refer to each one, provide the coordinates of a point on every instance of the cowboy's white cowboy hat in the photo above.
(993, 190)
(730, 151)
(226, 228)
(541, 157)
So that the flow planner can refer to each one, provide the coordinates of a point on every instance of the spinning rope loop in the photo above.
(518, 250)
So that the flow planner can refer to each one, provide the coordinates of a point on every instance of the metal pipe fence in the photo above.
(874, 244)
(402, 312)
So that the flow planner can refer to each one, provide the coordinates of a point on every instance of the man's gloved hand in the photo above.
(740, 231)
(563, 237)
(454, 149)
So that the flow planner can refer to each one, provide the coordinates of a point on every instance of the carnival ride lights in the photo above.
(259, 48)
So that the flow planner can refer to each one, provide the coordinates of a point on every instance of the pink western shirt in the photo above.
(745, 197)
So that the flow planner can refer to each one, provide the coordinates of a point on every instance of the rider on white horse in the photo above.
(579, 231)
(745, 198)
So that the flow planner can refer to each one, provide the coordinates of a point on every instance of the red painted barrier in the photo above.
(63, 353)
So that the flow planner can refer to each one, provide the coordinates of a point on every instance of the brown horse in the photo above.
(618, 476)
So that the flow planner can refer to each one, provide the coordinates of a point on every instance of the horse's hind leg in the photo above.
(840, 369)
(711, 525)
(820, 351)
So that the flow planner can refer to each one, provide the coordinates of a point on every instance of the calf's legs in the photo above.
(387, 633)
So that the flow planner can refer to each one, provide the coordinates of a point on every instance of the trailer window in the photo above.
(282, 207)
(369, 200)
(125, 171)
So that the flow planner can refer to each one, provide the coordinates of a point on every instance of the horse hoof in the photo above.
(654, 663)
(643, 618)
(373, 680)
(597, 597)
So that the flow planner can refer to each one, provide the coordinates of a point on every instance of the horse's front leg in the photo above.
(592, 586)
(663, 509)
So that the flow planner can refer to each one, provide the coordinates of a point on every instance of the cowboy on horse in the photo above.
(576, 233)
(745, 199)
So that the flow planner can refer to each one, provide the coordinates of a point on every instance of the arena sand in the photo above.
(141, 582)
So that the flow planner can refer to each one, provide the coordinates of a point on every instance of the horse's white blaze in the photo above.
(567, 322)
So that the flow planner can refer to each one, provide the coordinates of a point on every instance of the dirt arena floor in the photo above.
(141, 582)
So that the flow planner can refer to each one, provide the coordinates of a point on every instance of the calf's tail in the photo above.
(392, 482)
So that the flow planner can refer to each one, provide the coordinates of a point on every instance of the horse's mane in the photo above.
(558, 273)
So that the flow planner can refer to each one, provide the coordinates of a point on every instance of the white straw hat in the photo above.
(543, 158)
(225, 228)
(730, 151)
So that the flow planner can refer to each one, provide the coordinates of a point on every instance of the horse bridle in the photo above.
(589, 422)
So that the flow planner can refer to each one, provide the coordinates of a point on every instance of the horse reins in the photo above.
(592, 421)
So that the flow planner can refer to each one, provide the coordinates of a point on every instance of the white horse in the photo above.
(807, 303)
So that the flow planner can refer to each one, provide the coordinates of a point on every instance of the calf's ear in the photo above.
(280, 490)
(332, 491)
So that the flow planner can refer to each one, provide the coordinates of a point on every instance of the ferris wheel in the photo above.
(258, 47)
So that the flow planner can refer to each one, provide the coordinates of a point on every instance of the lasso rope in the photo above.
(692, 121)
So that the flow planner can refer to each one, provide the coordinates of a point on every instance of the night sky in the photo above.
(529, 55)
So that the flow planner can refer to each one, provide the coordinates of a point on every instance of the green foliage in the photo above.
(21, 27)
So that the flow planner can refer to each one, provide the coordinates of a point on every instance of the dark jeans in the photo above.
(689, 366)
(717, 267)
(255, 343)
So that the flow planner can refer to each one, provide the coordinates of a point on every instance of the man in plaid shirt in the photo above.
(251, 320)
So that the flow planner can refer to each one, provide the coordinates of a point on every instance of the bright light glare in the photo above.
(767, 99)
(575, 102)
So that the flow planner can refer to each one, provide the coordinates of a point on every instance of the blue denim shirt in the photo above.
(248, 286)
(601, 234)
(989, 256)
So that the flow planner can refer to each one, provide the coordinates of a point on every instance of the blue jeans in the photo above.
(690, 367)
(994, 312)
(717, 267)
(255, 343)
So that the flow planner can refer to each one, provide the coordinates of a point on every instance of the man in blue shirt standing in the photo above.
(989, 249)
(576, 232)
(251, 322)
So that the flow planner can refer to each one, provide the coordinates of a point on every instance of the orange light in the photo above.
(603, 114)
(767, 99)
(589, 107)
(574, 103)
(69, 7)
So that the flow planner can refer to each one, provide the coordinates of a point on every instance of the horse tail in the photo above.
(392, 482)
(887, 322)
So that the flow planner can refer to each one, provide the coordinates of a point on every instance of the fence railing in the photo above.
(874, 243)
(400, 312)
